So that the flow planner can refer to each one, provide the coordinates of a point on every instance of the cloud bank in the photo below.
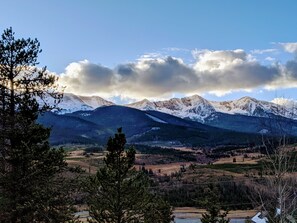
(219, 72)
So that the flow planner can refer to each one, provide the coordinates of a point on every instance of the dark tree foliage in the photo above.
(157, 211)
(120, 194)
(235, 195)
(214, 214)
(30, 185)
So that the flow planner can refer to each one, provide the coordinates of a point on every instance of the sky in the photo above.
(129, 50)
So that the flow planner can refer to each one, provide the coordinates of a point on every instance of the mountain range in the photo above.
(189, 120)
(194, 107)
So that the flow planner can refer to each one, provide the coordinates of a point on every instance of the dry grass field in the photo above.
(253, 158)
(164, 169)
(160, 164)
(190, 212)
(88, 162)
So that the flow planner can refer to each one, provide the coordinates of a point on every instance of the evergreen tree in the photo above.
(213, 214)
(158, 211)
(29, 168)
(119, 194)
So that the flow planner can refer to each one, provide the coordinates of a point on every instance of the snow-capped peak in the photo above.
(95, 101)
(144, 104)
(246, 106)
(71, 103)
(194, 107)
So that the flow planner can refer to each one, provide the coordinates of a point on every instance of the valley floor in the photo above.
(190, 176)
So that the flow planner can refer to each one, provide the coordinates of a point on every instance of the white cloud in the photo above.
(150, 56)
(176, 49)
(219, 93)
(217, 60)
(270, 59)
(263, 51)
(282, 101)
(154, 76)
(290, 47)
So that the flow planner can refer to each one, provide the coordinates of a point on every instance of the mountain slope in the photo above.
(139, 126)
(273, 125)
(66, 129)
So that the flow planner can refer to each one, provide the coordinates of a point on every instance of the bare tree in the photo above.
(279, 195)
(277, 191)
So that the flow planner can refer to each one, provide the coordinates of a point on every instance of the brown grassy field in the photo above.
(159, 164)
(165, 169)
(253, 158)
(190, 212)
(87, 162)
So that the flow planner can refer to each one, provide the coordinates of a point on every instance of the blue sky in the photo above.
(129, 49)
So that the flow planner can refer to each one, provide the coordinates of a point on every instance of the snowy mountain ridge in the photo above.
(194, 107)
(71, 103)
(198, 108)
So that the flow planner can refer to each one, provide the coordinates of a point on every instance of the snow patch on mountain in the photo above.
(156, 119)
